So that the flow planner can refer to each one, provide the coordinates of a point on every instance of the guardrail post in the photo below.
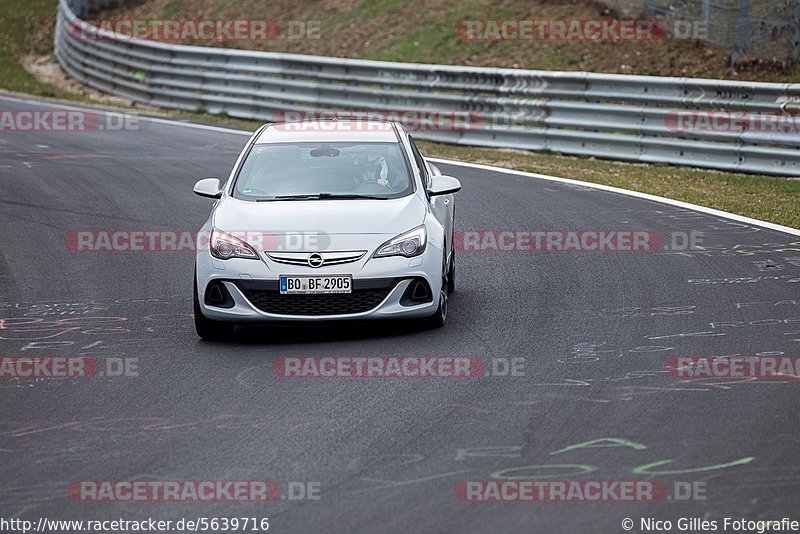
(794, 40)
(705, 17)
(742, 31)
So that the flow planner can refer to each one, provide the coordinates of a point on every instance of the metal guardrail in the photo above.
(612, 116)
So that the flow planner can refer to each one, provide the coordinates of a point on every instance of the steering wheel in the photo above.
(372, 187)
(387, 185)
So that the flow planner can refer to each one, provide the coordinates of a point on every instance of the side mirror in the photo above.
(443, 185)
(208, 187)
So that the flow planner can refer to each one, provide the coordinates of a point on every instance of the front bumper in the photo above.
(381, 288)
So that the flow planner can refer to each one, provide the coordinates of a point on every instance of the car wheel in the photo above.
(206, 328)
(451, 273)
(438, 319)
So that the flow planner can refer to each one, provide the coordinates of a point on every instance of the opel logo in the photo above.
(315, 260)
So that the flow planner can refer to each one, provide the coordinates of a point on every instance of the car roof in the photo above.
(329, 130)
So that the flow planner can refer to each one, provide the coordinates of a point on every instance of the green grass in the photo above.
(436, 42)
(371, 8)
(25, 31)
(170, 10)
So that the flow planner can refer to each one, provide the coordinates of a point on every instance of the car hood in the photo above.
(332, 217)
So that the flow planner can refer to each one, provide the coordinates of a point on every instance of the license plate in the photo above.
(315, 285)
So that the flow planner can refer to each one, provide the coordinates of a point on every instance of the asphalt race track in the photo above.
(595, 330)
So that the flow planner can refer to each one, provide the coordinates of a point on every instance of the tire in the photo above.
(451, 273)
(206, 328)
(438, 319)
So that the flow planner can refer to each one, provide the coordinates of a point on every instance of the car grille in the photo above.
(329, 258)
(359, 301)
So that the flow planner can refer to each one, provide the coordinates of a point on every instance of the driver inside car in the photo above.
(375, 170)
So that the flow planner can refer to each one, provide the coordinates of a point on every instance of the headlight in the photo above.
(224, 246)
(409, 244)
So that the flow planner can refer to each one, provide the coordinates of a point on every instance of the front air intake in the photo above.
(418, 292)
(217, 295)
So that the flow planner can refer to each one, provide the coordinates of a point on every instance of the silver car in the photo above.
(326, 220)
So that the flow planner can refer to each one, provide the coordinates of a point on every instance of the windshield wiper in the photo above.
(327, 196)
(293, 197)
(321, 196)
(288, 197)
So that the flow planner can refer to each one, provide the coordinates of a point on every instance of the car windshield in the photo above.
(320, 171)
